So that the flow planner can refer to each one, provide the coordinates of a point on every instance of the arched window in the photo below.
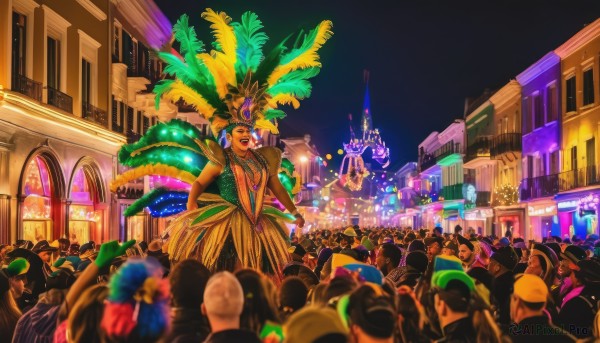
(87, 214)
(37, 206)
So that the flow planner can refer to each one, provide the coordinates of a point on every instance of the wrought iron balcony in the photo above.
(506, 142)
(132, 137)
(27, 86)
(59, 99)
(539, 187)
(582, 177)
(427, 161)
(480, 148)
(94, 114)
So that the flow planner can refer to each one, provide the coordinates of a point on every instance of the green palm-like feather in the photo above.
(295, 83)
(250, 42)
(171, 144)
(271, 61)
(190, 45)
(299, 48)
(274, 114)
(160, 88)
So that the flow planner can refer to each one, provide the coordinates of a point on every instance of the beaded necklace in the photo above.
(251, 167)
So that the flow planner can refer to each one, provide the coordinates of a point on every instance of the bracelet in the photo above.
(296, 213)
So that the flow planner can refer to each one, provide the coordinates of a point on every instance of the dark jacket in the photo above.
(459, 331)
(37, 325)
(188, 325)
(502, 288)
(409, 277)
(228, 336)
(538, 329)
(577, 315)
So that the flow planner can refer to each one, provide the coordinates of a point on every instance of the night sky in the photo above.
(424, 57)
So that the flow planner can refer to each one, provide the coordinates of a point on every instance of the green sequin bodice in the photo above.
(226, 183)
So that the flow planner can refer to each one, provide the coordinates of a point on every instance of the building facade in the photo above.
(74, 79)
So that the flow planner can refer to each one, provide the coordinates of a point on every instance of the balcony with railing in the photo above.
(94, 114)
(59, 99)
(479, 148)
(426, 161)
(506, 142)
(27, 87)
(447, 150)
(539, 187)
(583, 177)
(484, 199)
(132, 137)
(452, 192)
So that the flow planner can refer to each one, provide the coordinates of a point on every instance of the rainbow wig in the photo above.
(137, 308)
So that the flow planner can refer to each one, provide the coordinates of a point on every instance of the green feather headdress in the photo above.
(236, 83)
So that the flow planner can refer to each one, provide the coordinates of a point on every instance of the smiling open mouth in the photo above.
(244, 141)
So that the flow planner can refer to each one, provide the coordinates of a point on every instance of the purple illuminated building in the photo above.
(540, 95)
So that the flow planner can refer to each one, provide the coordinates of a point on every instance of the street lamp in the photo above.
(303, 159)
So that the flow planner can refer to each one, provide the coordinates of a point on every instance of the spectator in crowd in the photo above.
(9, 311)
(292, 296)
(501, 266)
(315, 325)
(223, 305)
(372, 317)
(434, 246)
(580, 305)
(259, 302)
(388, 262)
(188, 281)
(450, 249)
(527, 304)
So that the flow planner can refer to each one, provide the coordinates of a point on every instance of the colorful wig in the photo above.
(137, 306)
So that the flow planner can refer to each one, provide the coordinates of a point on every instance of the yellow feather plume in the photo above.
(284, 99)
(219, 72)
(267, 125)
(225, 37)
(156, 169)
(179, 89)
(309, 58)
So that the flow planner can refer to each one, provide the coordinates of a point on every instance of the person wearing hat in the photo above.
(527, 305)
(543, 262)
(297, 267)
(580, 305)
(311, 324)
(87, 253)
(434, 246)
(416, 265)
(44, 250)
(16, 272)
(501, 268)
(569, 257)
(437, 232)
(452, 293)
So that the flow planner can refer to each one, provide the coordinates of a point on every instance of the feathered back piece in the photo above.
(236, 84)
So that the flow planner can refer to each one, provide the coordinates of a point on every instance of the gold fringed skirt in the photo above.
(209, 232)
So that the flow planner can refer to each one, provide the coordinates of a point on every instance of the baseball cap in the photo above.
(530, 288)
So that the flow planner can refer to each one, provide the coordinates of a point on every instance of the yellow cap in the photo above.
(531, 288)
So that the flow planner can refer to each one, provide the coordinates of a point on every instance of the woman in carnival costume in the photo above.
(235, 87)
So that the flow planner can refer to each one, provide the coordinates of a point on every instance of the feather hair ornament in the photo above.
(236, 83)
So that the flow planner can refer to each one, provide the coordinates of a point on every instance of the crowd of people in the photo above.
(343, 285)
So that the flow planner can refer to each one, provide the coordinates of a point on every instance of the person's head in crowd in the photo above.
(529, 297)
(437, 231)
(338, 286)
(422, 233)
(502, 261)
(297, 252)
(188, 280)
(417, 244)
(371, 314)
(388, 258)
(452, 294)
(411, 315)
(587, 273)
(409, 237)
(292, 296)
(86, 315)
(44, 250)
(542, 262)
(465, 250)
(417, 260)
(434, 246)
(9, 311)
(316, 295)
(73, 250)
(224, 301)
(458, 230)
(16, 272)
(450, 249)
(314, 324)
(569, 258)
(137, 307)
(259, 300)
